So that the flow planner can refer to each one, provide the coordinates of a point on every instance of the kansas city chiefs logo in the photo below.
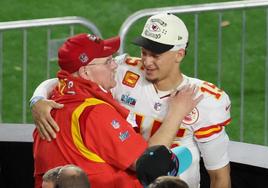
(192, 117)
(154, 27)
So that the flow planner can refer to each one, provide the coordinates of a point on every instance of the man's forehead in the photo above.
(101, 59)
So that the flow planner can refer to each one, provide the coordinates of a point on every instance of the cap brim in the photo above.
(111, 45)
(152, 46)
(184, 156)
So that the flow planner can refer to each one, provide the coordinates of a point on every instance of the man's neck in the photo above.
(170, 83)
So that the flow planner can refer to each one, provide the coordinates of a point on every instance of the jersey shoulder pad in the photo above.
(133, 61)
(129, 72)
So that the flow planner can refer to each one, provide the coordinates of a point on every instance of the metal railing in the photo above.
(24, 26)
(185, 9)
(70, 20)
(218, 8)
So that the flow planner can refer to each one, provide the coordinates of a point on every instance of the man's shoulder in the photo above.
(132, 64)
(129, 74)
(133, 61)
(213, 109)
(210, 90)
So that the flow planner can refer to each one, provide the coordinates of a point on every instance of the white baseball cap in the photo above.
(163, 32)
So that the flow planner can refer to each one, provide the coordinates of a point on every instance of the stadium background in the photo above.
(108, 16)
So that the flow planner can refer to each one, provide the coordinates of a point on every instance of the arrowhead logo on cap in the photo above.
(154, 27)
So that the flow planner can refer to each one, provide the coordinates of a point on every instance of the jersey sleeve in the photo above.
(112, 137)
(215, 152)
(213, 113)
(45, 88)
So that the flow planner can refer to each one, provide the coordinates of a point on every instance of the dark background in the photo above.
(16, 169)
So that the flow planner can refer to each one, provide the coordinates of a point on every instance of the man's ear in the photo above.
(180, 55)
(182, 52)
(85, 73)
(82, 72)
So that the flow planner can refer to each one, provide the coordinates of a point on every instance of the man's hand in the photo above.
(45, 124)
(182, 102)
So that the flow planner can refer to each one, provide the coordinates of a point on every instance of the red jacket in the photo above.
(94, 135)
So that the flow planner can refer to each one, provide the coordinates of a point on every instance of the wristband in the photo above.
(34, 100)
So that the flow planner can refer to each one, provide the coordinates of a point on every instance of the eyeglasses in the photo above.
(107, 62)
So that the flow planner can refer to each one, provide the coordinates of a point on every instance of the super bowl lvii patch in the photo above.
(126, 99)
(123, 136)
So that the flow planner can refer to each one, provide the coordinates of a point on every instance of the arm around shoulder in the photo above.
(41, 108)
(44, 89)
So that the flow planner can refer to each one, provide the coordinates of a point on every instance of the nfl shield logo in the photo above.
(83, 58)
(115, 124)
(157, 106)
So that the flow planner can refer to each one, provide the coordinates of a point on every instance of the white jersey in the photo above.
(204, 124)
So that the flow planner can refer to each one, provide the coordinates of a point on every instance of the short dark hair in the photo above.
(168, 182)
